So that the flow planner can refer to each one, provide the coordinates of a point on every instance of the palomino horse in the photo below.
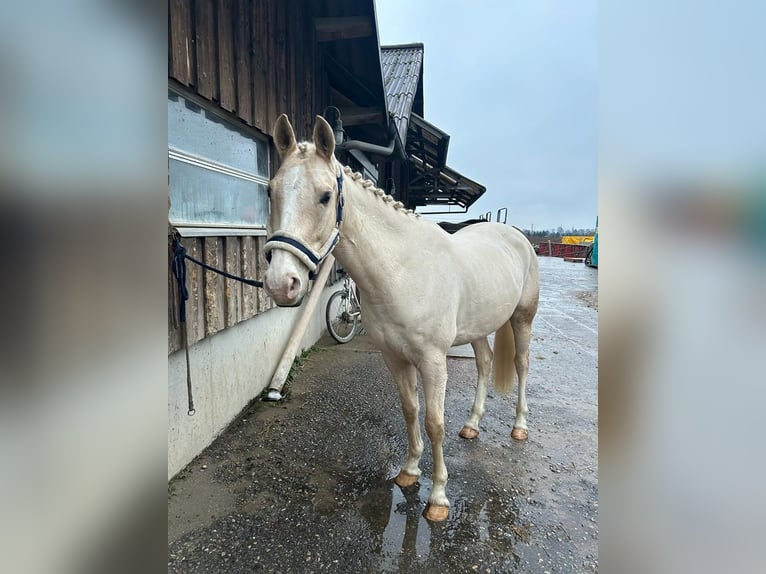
(423, 289)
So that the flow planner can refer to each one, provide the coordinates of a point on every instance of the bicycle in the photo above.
(343, 312)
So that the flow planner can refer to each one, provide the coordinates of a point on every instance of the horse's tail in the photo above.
(503, 367)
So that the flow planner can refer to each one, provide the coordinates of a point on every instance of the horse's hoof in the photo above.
(519, 434)
(436, 513)
(406, 480)
(469, 433)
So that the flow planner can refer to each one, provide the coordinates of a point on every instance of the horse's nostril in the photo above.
(293, 286)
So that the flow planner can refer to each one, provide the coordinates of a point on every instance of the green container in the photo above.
(591, 259)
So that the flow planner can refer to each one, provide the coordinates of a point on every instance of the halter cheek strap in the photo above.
(293, 244)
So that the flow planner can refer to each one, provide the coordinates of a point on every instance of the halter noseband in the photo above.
(293, 244)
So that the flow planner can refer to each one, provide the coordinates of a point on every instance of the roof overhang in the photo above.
(442, 188)
(426, 142)
(347, 34)
(432, 182)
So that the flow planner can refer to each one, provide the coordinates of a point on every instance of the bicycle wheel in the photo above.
(340, 317)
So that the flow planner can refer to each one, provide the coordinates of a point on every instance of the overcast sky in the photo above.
(514, 83)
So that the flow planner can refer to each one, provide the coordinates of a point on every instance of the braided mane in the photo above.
(368, 184)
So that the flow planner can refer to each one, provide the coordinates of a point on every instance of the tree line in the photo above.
(554, 235)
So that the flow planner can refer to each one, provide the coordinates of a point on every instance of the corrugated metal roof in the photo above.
(437, 184)
(402, 66)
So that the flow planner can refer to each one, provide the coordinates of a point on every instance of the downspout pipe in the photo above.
(386, 151)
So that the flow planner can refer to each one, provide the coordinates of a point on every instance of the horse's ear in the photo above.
(284, 136)
(324, 138)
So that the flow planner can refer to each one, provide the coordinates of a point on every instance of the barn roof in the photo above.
(432, 182)
(403, 80)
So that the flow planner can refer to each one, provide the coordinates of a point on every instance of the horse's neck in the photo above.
(374, 236)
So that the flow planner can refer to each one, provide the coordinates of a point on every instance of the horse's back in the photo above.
(491, 241)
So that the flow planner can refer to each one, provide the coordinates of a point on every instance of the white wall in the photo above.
(228, 370)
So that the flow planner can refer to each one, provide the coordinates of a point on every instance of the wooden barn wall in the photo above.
(216, 302)
(255, 59)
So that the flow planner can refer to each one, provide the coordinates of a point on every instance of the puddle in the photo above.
(403, 539)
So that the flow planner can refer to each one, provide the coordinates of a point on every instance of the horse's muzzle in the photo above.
(285, 281)
(285, 289)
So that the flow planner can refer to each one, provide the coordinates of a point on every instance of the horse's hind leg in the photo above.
(406, 379)
(483, 354)
(521, 321)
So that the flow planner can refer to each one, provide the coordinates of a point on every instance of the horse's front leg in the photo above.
(433, 371)
(406, 379)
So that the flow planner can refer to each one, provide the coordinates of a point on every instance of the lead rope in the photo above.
(191, 410)
(179, 270)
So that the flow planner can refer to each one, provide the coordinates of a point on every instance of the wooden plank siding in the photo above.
(248, 259)
(207, 61)
(226, 63)
(195, 306)
(215, 300)
(252, 59)
(265, 302)
(260, 34)
(243, 53)
(272, 64)
(281, 72)
(233, 289)
(182, 49)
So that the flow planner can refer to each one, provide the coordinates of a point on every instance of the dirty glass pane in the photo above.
(201, 195)
(263, 158)
(200, 132)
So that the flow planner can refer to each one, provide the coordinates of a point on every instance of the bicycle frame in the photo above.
(350, 287)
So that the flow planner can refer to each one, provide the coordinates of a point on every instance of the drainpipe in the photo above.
(291, 349)
(385, 151)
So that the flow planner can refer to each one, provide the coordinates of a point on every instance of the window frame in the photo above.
(218, 229)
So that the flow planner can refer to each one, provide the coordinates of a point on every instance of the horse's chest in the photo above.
(381, 330)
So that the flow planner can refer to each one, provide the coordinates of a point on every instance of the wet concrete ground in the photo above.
(307, 485)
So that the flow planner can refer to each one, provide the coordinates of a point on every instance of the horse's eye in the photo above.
(325, 198)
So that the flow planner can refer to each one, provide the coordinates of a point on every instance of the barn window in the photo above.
(219, 172)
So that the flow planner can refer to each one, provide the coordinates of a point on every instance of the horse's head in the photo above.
(306, 210)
